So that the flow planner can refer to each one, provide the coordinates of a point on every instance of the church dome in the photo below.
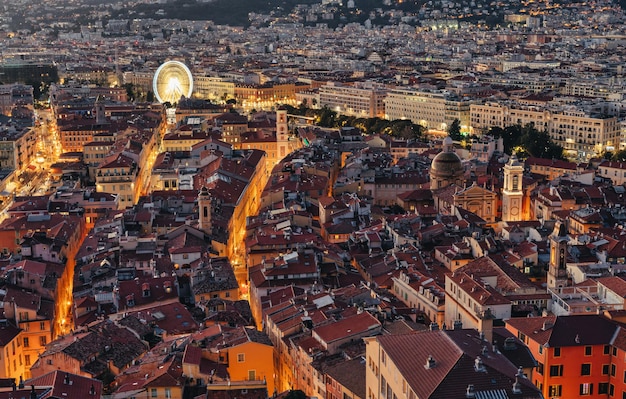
(446, 163)
(446, 167)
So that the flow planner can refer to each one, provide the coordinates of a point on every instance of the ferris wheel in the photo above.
(171, 81)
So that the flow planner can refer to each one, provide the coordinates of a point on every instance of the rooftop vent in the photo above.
(547, 325)
(517, 387)
(509, 344)
(470, 392)
(479, 365)
(430, 363)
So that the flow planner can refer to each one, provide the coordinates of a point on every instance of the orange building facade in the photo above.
(576, 356)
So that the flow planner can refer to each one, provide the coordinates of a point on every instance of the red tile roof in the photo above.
(355, 325)
(66, 385)
(410, 352)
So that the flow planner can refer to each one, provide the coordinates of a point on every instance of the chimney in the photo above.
(33, 394)
(478, 365)
(430, 363)
(434, 326)
(21, 384)
(517, 387)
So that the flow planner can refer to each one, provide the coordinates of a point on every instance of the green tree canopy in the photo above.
(619, 156)
(527, 141)
(454, 130)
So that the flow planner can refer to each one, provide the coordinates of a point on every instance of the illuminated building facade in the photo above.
(364, 100)
(117, 174)
(431, 109)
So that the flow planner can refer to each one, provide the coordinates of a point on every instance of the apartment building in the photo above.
(440, 364)
(574, 354)
(18, 146)
(213, 87)
(117, 174)
(364, 99)
(582, 133)
(435, 109)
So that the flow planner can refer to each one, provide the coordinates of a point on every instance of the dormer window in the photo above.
(130, 300)
(145, 289)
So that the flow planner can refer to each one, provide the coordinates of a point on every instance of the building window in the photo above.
(587, 350)
(153, 392)
(168, 393)
(603, 388)
(586, 389)
(26, 344)
(607, 349)
(27, 360)
(555, 390)
(42, 341)
(241, 357)
(42, 325)
(585, 369)
(251, 375)
(556, 371)
(605, 369)
(383, 387)
(612, 370)
(557, 352)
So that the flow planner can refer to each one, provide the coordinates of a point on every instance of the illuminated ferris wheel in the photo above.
(171, 81)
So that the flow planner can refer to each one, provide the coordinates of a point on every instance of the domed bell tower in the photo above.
(512, 194)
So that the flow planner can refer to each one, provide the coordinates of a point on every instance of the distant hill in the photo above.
(235, 12)
(222, 12)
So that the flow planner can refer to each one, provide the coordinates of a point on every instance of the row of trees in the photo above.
(527, 141)
(325, 117)
(524, 141)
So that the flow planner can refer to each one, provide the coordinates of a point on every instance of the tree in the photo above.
(527, 140)
(295, 394)
(327, 117)
(619, 156)
(454, 130)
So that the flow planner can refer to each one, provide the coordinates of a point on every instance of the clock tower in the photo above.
(512, 194)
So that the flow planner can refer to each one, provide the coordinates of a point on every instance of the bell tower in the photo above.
(100, 111)
(282, 134)
(512, 194)
(557, 269)
(204, 210)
